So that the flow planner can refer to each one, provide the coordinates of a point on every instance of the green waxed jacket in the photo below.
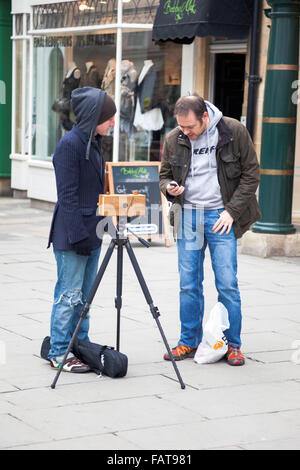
(237, 169)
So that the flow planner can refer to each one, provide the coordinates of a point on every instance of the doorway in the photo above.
(229, 79)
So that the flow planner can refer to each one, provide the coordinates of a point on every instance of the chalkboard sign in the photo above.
(126, 177)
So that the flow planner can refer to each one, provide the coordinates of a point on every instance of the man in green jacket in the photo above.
(210, 173)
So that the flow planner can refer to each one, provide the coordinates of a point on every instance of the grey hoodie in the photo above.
(202, 186)
(87, 105)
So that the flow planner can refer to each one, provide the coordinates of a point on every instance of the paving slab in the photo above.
(218, 434)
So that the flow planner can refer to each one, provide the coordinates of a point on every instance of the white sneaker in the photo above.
(72, 364)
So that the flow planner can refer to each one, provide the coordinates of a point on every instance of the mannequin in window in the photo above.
(71, 81)
(89, 65)
(108, 85)
(62, 105)
(127, 102)
(91, 76)
(127, 109)
(108, 82)
(148, 115)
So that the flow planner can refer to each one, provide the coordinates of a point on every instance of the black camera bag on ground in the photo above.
(101, 359)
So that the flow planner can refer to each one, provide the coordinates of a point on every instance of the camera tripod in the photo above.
(119, 241)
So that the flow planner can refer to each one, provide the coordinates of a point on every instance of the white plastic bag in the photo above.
(214, 344)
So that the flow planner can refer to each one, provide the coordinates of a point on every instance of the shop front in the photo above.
(60, 46)
(127, 47)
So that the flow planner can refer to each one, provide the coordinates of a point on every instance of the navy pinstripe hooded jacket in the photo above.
(80, 174)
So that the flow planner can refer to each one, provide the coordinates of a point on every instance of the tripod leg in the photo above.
(86, 307)
(154, 310)
(118, 299)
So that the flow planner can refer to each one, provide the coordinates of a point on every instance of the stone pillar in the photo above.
(274, 234)
(279, 120)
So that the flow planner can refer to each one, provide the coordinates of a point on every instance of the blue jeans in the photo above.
(75, 277)
(193, 237)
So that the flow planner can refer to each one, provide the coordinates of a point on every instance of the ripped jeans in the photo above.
(75, 277)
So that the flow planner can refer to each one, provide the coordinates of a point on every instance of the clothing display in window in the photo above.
(149, 87)
(146, 79)
(71, 81)
(127, 101)
(108, 81)
(62, 105)
(148, 115)
(90, 76)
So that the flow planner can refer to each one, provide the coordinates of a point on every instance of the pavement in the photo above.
(255, 407)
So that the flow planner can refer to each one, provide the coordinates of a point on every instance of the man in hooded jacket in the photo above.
(80, 178)
(210, 173)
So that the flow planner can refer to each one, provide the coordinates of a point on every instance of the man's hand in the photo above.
(83, 247)
(224, 222)
(175, 190)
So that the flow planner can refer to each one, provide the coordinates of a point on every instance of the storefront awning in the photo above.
(182, 20)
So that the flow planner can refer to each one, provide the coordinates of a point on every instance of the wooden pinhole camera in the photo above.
(129, 205)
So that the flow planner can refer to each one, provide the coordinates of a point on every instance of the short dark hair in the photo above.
(194, 103)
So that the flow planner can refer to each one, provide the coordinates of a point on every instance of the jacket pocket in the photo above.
(231, 165)
(179, 167)
(251, 214)
(87, 210)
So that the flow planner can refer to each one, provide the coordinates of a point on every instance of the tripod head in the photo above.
(141, 240)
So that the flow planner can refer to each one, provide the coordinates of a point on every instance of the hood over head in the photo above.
(214, 114)
(209, 137)
(87, 104)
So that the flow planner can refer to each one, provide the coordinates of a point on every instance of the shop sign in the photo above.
(178, 9)
(94, 40)
(52, 41)
(78, 41)
(141, 178)
(185, 19)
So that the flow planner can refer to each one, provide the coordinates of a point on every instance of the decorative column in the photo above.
(5, 90)
(279, 120)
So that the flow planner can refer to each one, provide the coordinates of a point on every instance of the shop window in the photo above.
(18, 95)
(56, 63)
(27, 95)
(150, 86)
